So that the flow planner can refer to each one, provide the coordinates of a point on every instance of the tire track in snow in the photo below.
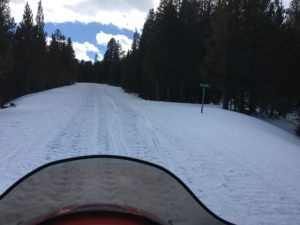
(105, 120)
(76, 137)
(221, 174)
(26, 150)
(104, 137)
(136, 135)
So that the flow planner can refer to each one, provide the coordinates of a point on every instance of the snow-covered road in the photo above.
(244, 169)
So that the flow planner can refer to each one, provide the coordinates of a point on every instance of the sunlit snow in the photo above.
(244, 169)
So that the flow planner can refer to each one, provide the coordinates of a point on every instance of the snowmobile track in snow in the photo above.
(242, 168)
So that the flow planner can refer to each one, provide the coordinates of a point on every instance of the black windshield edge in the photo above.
(121, 158)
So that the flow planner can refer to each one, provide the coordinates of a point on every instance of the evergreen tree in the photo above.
(243, 48)
(39, 51)
(86, 72)
(111, 61)
(214, 68)
(98, 73)
(62, 65)
(24, 58)
(293, 55)
(69, 62)
(6, 49)
(293, 15)
(194, 18)
(56, 70)
(144, 45)
(279, 102)
(161, 61)
(131, 76)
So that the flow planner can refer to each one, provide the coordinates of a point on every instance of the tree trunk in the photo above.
(157, 91)
(168, 93)
(225, 100)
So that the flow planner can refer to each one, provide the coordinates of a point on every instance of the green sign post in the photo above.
(203, 86)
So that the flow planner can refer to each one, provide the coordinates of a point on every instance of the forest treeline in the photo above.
(27, 63)
(247, 50)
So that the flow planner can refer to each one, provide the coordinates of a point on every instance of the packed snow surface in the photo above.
(245, 170)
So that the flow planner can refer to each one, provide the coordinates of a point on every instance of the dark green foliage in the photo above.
(214, 64)
(246, 54)
(293, 55)
(112, 62)
(162, 55)
(39, 51)
(27, 64)
(194, 21)
(239, 47)
(6, 49)
(131, 69)
(248, 51)
(144, 45)
(6, 35)
(293, 15)
(62, 65)
(86, 72)
(23, 45)
(69, 62)
(171, 48)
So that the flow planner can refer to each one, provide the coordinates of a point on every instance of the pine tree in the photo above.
(293, 55)
(214, 68)
(293, 14)
(279, 102)
(98, 73)
(112, 62)
(243, 51)
(39, 51)
(6, 49)
(62, 64)
(161, 61)
(194, 19)
(69, 62)
(23, 46)
(144, 45)
(56, 71)
(131, 76)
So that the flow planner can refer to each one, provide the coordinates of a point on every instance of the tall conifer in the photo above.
(6, 49)
(24, 58)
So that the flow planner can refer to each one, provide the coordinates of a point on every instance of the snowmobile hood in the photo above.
(103, 184)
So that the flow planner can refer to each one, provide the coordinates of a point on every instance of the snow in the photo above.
(289, 124)
(244, 169)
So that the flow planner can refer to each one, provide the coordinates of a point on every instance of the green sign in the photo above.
(204, 85)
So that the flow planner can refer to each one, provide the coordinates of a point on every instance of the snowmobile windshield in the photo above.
(98, 184)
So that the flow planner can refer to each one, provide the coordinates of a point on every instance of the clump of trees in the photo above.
(27, 63)
(248, 51)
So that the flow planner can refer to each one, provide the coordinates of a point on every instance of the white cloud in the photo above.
(82, 49)
(103, 39)
(48, 40)
(128, 14)
(90, 6)
(156, 4)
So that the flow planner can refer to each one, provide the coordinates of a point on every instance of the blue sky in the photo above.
(92, 23)
(87, 33)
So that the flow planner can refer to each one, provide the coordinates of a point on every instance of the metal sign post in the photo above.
(203, 86)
